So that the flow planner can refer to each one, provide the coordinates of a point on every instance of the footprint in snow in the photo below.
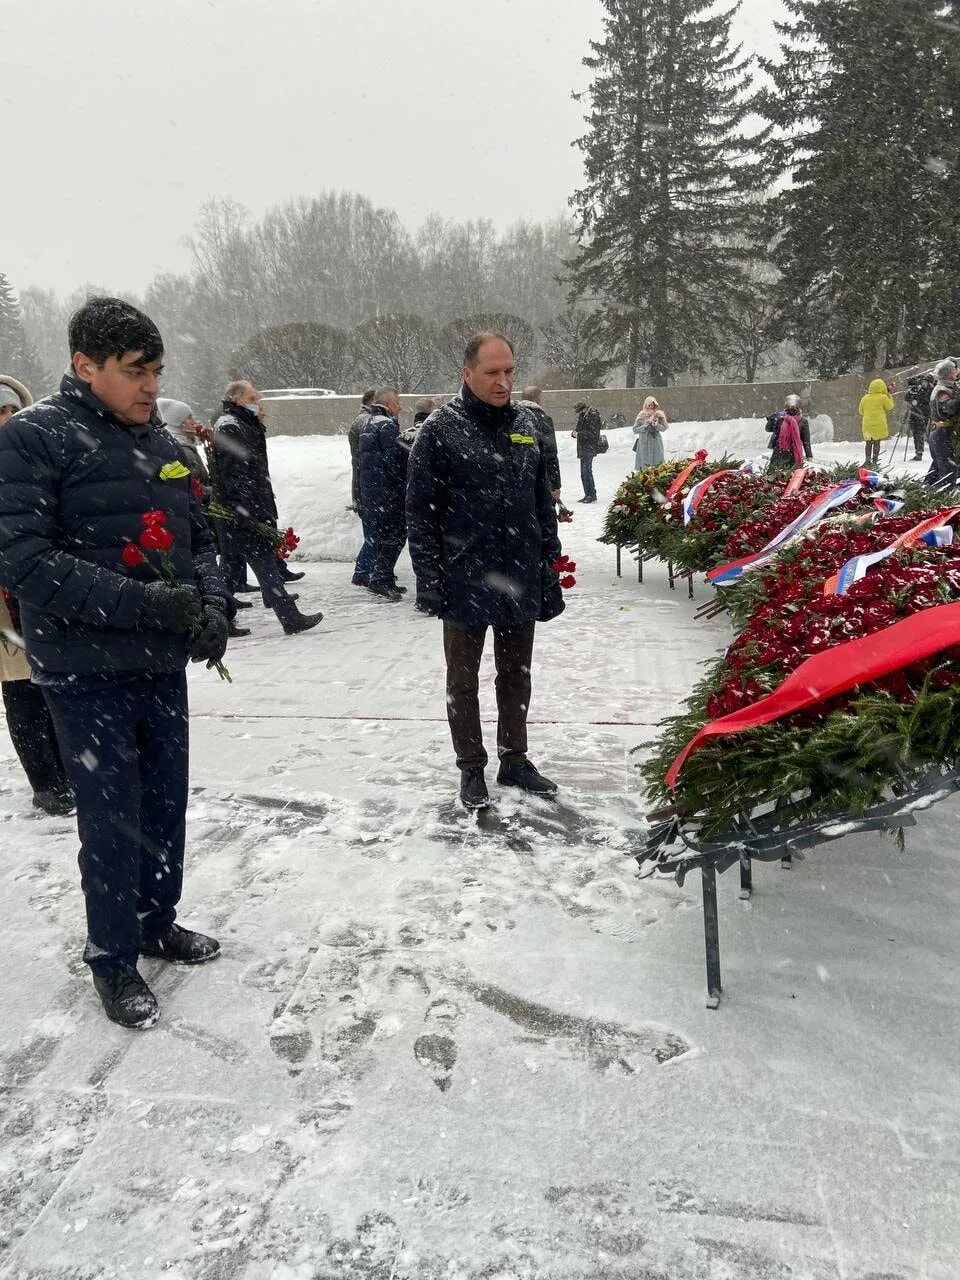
(436, 1049)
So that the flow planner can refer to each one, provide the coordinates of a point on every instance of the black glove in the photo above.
(429, 602)
(209, 642)
(167, 608)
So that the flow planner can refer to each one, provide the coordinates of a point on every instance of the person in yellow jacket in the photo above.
(874, 407)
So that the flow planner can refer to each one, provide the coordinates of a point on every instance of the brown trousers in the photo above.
(513, 654)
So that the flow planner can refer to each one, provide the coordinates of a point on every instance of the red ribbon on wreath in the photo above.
(835, 671)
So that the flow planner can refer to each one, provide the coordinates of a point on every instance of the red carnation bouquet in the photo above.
(284, 542)
(158, 538)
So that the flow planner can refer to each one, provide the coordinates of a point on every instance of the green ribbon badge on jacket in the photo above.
(517, 438)
(174, 471)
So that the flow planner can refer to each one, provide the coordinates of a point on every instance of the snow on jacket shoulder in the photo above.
(480, 519)
(874, 407)
(74, 485)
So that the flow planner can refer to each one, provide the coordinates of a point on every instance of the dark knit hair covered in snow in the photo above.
(105, 327)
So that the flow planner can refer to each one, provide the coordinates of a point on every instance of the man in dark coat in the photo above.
(82, 476)
(916, 402)
(483, 533)
(241, 484)
(547, 435)
(587, 435)
(383, 484)
(944, 419)
(361, 570)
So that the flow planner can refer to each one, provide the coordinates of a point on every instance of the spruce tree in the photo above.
(18, 356)
(854, 103)
(665, 209)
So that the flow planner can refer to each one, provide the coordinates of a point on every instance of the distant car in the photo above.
(283, 393)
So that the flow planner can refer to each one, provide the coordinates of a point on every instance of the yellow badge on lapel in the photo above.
(174, 471)
(517, 438)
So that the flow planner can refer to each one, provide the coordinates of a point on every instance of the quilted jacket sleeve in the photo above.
(32, 564)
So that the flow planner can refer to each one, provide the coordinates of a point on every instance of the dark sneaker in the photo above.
(181, 946)
(58, 801)
(522, 774)
(473, 789)
(243, 604)
(393, 594)
(290, 576)
(235, 632)
(588, 499)
(126, 998)
(245, 590)
(360, 580)
(301, 622)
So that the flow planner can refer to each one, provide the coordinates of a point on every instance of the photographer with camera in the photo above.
(916, 400)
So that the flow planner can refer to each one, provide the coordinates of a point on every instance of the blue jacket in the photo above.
(383, 471)
(74, 484)
(480, 520)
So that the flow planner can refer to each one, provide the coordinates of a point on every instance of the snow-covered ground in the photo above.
(436, 1051)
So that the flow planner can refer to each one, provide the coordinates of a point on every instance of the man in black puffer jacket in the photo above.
(108, 639)
(482, 530)
(241, 484)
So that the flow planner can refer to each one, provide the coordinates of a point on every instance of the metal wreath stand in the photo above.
(674, 845)
(672, 578)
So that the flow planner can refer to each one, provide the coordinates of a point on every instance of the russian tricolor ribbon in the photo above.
(679, 481)
(871, 478)
(888, 506)
(935, 532)
(822, 504)
(845, 666)
(698, 492)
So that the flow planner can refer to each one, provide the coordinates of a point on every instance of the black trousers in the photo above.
(943, 465)
(871, 452)
(266, 570)
(388, 542)
(33, 736)
(513, 655)
(125, 745)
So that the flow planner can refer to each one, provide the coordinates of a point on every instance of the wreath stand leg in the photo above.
(711, 932)
(746, 877)
(640, 568)
(690, 586)
(670, 576)
(786, 861)
(619, 571)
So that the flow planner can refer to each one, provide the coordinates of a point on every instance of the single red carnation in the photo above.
(568, 581)
(153, 519)
(131, 555)
(156, 538)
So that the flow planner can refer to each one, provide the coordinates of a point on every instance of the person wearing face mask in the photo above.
(28, 719)
(241, 483)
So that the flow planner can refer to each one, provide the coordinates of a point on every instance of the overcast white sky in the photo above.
(119, 117)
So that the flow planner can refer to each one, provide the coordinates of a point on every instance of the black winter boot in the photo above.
(522, 774)
(181, 946)
(473, 788)
(58, 801)
(301, 622)
(126, 998)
